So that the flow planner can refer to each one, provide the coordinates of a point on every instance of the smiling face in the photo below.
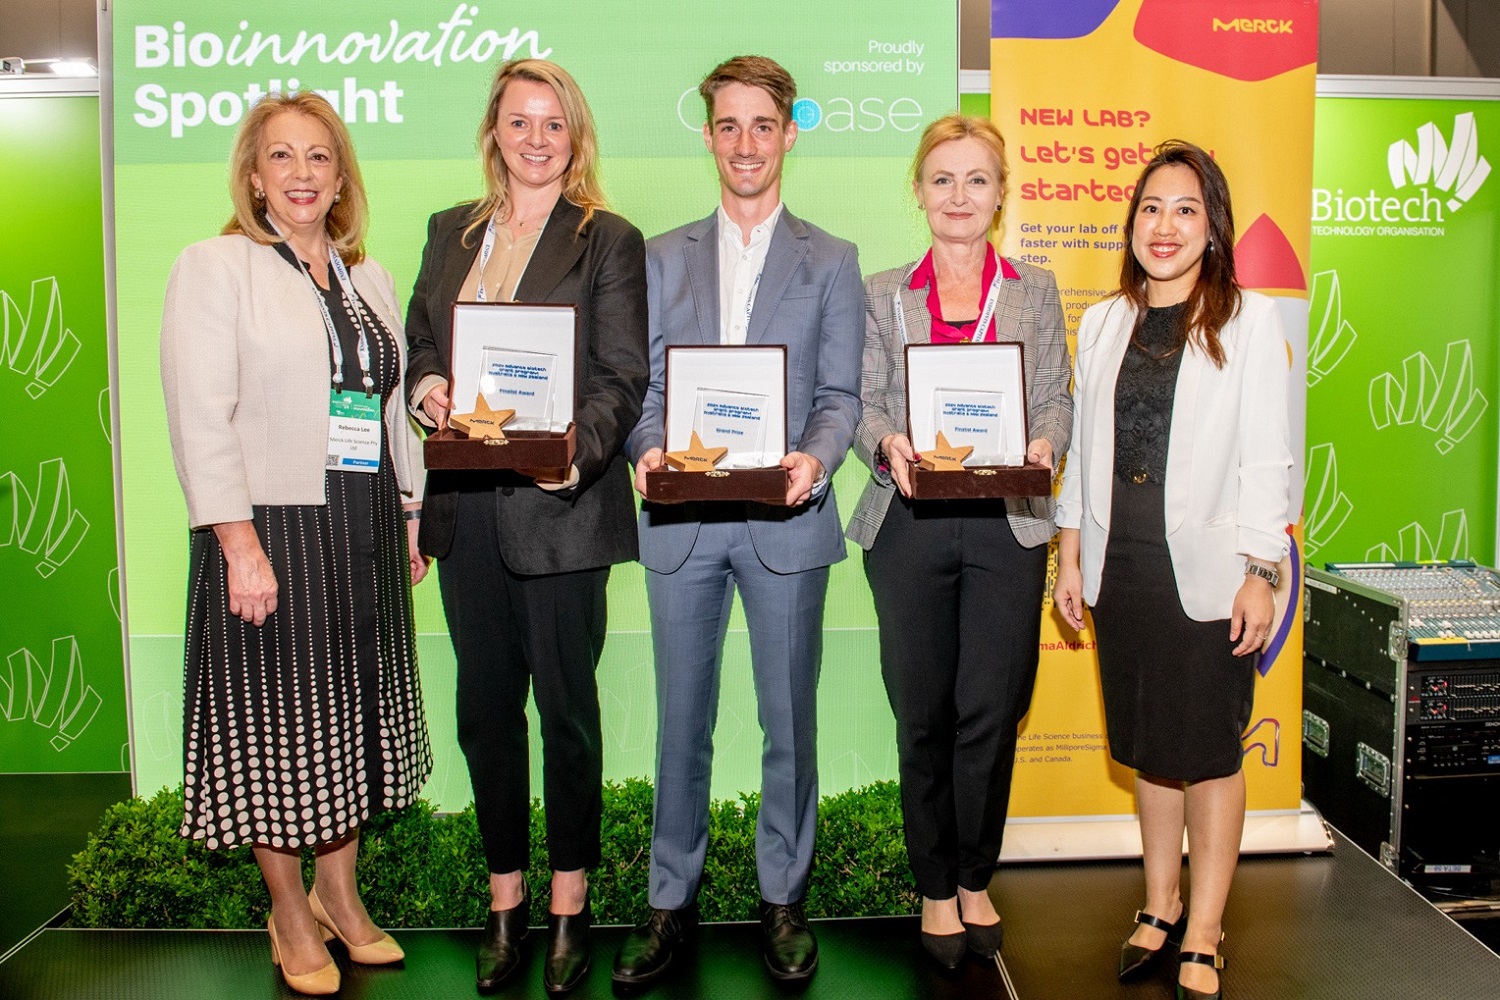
(1170, 233)
(297, 170)
(749, 140)
(533, 136)
(960, 191)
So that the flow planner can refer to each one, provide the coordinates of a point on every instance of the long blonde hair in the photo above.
(348, 219)
(580, 182)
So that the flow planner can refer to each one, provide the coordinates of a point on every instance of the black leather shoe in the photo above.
(984, 939)
(787, 942)
(648, 950)
(567, 949)
(946, 950)
(1135, 960)
(1200, 958)
(500, 949)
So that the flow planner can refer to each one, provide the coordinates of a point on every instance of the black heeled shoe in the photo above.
(984, 939)
(500, 949)
(1201, 958)
(567, 949)
(946, 950)
(1135, 960)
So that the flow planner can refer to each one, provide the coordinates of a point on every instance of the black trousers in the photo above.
(959, 603)
(510, 632)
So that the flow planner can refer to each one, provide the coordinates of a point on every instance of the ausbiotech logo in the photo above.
(1435, 175)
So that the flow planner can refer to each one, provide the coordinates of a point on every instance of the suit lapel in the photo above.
(788, 247)
(1114, 338)
(701, 257)
(557, 250)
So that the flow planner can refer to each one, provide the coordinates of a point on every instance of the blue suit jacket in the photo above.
(810, 299)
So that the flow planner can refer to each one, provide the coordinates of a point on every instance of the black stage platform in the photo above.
(1326, 927)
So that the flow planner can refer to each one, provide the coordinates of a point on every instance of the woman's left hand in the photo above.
(1250, 621)
(419, 562)
(1039, 452)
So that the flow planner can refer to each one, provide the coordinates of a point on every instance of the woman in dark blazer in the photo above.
(524, 562)
(1173, 512)
(958, 585)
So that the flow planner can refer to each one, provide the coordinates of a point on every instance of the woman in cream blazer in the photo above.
(1173, 516)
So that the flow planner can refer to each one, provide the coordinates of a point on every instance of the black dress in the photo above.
(296, 732)
(1176, 698)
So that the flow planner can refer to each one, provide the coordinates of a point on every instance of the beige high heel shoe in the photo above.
(320, 983)
(381, 952)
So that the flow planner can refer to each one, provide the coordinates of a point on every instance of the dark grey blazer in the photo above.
(603, 271)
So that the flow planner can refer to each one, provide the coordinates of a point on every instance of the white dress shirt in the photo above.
(739, 273)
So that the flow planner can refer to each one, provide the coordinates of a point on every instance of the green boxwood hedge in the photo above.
(421, 869)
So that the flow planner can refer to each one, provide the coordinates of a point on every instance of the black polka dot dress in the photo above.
(298, 731)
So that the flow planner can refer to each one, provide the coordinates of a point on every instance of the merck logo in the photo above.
(1455, 167)
(1255, 25)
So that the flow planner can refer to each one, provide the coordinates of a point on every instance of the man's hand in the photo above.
(805, 471)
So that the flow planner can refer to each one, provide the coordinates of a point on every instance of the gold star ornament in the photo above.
(696, 458)
(945, 457)
(484, 423)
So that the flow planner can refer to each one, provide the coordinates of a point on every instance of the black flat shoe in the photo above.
(1135, 960)
(984, 939)
(1201, 958)
(787, 942)
(500, 948)
(567, 949)
(648, 949)
(946, 949)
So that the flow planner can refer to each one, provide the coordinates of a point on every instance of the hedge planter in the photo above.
(421, 869)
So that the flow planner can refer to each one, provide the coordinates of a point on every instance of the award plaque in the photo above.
(725, 426)
(966, 417)
(511, 391)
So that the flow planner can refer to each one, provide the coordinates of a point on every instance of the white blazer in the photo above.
(1228, 462)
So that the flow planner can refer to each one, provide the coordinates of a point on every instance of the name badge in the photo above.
(353, 432)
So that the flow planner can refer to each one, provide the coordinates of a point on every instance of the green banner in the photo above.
(62, 678)
(1404, 336)
(412, 79)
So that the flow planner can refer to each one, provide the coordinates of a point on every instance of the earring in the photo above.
(260, 195)
(1210, 244)
(337, 197)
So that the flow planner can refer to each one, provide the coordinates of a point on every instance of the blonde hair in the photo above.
(580, 181)
(951, 128)
(348, 219)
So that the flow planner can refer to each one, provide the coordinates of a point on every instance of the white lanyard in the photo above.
(990, 301)
(488, 247)
(363, 348)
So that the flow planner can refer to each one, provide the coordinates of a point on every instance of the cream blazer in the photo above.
(246, 376)
(1229, 459)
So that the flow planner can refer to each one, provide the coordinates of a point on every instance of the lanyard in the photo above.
(363, 348)
(990, 301)
(488, 247)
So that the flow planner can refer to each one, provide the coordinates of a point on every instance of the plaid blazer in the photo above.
(1028, 311)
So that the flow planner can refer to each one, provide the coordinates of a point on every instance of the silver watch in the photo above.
(1266, 573)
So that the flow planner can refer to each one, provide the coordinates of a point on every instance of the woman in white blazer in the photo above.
(1173, 518)
(281, 360)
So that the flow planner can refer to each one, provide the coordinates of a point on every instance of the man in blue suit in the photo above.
(751, 273)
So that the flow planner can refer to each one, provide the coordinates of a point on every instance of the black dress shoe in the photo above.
(500, 948)
(787, 942)
(946, 950)
(1200, 958)
(567, 949)
(1135, 960)
(984, 939)
(648, 949)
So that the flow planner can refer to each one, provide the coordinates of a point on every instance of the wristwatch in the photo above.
(1266, 573)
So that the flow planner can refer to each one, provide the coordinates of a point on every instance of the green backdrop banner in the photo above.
(62, 677)
(1404, 339)
(412, 79)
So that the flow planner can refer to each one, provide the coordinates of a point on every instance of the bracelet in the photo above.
(1266, 573)
(411, 515)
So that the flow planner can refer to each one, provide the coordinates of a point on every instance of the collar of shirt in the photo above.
(924, 275)
(740, 266)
